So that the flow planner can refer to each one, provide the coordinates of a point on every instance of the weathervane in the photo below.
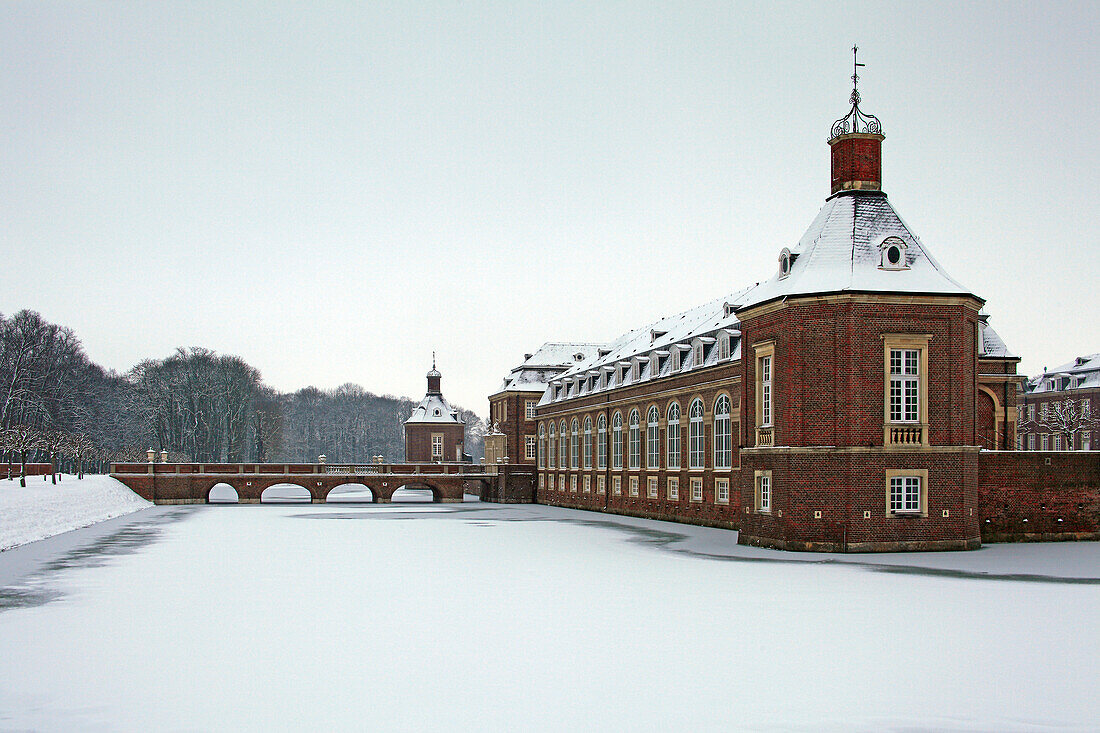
(856, 120)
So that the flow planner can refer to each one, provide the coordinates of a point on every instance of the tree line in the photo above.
(57, 406)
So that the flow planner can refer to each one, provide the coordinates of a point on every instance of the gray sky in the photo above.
(333, 191)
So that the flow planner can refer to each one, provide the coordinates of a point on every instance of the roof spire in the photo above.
(856, 121)
(433, 360)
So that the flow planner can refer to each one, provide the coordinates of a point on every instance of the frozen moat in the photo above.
(475, 616)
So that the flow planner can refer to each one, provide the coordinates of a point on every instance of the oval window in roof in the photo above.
(893, 254)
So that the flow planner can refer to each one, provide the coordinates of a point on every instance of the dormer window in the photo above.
(578, 356)
(727, 309)
(437, 412)
(786, 259)
(676, 358)
(893, 254)
(636, 370)
(723, 346)
(697, 353)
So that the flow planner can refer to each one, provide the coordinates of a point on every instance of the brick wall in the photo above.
(1038, 496)
(418, 441)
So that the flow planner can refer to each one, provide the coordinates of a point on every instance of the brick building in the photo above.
(855, 400)
(1058, 409)
(434, 433)
(512, 433)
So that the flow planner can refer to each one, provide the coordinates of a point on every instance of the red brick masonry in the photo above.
(1039, 496)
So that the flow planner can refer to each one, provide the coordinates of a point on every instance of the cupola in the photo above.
(856, 143)
(434, 378)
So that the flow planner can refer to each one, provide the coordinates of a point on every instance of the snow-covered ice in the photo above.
(488, 617)
(44, 509)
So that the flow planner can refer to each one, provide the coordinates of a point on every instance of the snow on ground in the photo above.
(489, 617)
(43, 509)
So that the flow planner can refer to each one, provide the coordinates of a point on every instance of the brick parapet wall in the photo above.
(1038, 496)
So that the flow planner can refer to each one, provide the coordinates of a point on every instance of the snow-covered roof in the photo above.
(1081, 373)
(706, 323)
(842, 251)
(434, 409)
(550, 360)
(993, 345)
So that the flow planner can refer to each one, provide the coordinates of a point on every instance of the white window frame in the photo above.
(634, 486)
(601, 485)
(766, 393)
(540, 459)
(721, 491)
(722, 433)
(551, 447)
(587, 442)
(696, 488)
(653, 437)
(617, 440)
(529, 409)
(573, 484)
(437, 446)
(563, 449)
(906, 492)
(601, 441)
(635, 430)
(617, 485)
(672, 488)
(905, 385)
(672, 437)
(764, 491)
(651, 487)
(697, 454)
(530, 447)
(587, 484)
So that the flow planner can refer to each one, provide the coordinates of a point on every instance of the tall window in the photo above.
(723, 443)
(763, 491)
(697, 354)
(635, 440)
(765, 391)
(672, 438)
(617, 440)
(575, 447)
(563, 449)
(437, 447)
(601, 441)
(542, 446)
(529, 447)
(696, 451)
(724, 346)
(529, 409)
(550, 448)
(588, 442)
(904, 385)
(653, 439)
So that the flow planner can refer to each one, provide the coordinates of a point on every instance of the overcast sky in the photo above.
(332, 191)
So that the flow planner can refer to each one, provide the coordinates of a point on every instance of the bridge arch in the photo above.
(351, 492)
(222, 493)
(286, 493)
(416, 491)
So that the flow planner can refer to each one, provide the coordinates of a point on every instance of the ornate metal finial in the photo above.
(433, 361)
(856, 120)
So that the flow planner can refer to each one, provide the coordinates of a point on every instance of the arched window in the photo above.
(635, 440)
(601, 442)
(563, 449)
(673, 436)
(617, 440)
(588, 442)
(696, 457)
(723, 447)
(575, 445)
(550, 454)
(542, 445)
(653, 438)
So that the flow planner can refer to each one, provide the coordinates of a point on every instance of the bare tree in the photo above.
(1067, 418)
(23, 440)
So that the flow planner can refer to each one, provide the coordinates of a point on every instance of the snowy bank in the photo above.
(42, 509)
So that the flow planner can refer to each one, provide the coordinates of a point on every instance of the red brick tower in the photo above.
(434, 433)
(859, 384)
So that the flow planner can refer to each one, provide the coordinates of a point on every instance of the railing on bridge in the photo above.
(302, 469)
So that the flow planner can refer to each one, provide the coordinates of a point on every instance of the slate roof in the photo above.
(1081, 373)
(434, 409)
(549, 361)
(841, 252)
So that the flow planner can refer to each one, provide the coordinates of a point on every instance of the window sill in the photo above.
(905, 515)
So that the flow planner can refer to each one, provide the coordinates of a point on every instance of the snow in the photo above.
(841, 252)
(551, 359)
(43, 509)
(434, 409)
(489, 617)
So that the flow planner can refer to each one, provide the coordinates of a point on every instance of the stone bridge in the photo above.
(191, 483)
